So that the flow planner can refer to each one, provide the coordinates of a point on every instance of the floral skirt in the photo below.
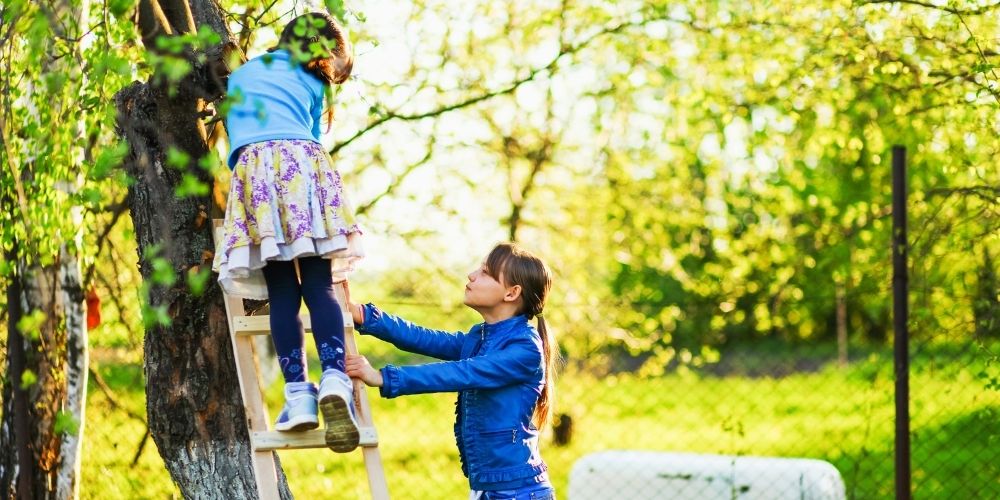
(285, 201)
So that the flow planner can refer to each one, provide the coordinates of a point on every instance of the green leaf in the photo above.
(982, 67)
(91, 196)
(197, 279)
(119, 8)
(155, 316)
(211, 164)
(191, 186)
(108, 158)
(176, 158)
(28, 379)
(30, 324)
(163, 272)
(207, 36)
(336, 8)
(174, 68)
(300, 28)
(66, 423)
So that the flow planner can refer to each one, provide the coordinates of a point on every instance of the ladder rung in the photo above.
(274, 440)
(261, 325)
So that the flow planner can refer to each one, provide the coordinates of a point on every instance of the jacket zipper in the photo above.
(465, 402)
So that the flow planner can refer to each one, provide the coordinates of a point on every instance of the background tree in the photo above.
(42, 198)
(194, 408)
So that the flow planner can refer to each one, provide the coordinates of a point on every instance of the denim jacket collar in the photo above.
(505, 325)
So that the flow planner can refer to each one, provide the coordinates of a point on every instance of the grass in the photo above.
(844, 416)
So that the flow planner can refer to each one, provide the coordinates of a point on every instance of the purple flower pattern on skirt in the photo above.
(285, 190)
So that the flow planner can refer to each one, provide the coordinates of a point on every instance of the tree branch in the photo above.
(116, 211)
(973, 12)
(398, 180)
(511, 87)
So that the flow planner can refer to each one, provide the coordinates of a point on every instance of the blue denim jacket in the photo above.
(498, 372)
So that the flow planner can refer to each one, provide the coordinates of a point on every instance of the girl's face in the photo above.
(483, 291)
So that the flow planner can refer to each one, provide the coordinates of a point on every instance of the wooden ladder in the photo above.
(265, 441)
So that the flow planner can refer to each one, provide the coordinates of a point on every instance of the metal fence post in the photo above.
(900, 312)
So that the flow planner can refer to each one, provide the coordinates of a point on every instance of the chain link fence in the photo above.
(766, 420)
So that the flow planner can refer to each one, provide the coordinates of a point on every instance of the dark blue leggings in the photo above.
(285, 294)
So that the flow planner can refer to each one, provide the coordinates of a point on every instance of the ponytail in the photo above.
(550, 354)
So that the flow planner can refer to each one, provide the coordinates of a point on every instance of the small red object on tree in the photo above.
(93, 309)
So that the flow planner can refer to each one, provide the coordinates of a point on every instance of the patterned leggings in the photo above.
(285, 294)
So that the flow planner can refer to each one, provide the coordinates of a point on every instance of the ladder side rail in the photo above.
(373, 459)
(265, 468)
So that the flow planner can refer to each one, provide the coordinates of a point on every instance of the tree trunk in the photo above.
(41, 428)
(77, 361)
(45, 388)
(17, 465)
(194, 407)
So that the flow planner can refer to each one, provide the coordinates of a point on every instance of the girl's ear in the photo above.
(513, 293)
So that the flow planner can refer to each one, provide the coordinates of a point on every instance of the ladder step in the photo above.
(274, 440)
(261, 325)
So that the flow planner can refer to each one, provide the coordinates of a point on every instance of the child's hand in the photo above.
(357, 312)
(357, 366)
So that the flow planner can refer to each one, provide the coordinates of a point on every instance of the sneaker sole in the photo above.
(305, 425)
(342, 433)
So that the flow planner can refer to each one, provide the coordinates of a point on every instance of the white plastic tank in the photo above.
(629, 475)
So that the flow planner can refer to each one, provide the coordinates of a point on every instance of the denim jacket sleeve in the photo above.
(409, 337)
(519, 361)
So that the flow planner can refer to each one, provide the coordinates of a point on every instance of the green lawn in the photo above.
(842, 416)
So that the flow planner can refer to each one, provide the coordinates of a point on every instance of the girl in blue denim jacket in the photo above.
(501, 368)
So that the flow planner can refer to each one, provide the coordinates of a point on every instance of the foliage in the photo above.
(59, 184)
(746, 163)
(722, 170)
(59, 150)
(703, 177)
(844, 417)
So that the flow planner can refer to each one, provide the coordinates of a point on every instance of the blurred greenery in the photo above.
(843, 416)
(710, 182)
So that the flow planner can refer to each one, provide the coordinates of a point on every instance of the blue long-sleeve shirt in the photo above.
(272, 97)
(498, 371)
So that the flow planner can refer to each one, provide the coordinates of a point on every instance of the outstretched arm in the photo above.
(518, 362)
(405, 335)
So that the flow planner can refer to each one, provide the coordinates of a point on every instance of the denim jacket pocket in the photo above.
(499, 449)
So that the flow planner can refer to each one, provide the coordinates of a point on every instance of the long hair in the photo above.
(312, 39)
(512, 265)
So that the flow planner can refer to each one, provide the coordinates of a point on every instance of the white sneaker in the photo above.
(299, 413)
(336, 398)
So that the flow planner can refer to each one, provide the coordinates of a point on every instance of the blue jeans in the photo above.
(541, 491)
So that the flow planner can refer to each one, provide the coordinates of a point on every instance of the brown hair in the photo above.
(511, 265)
(312, 39)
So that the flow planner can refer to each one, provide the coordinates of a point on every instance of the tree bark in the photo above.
(41, 446)
(16, 463)
(194, 408)
(77, 361)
